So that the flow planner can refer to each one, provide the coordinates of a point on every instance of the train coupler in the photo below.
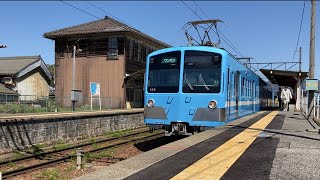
(179, 129)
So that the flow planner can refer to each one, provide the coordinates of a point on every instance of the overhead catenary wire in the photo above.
(201, 9)
(191, 9)
(106, 12)
(296, 49)
(227, 41)
(80, 9)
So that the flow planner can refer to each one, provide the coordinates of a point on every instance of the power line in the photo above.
(304, 5)
(227, 41)
(105, 12)
(80, 9)
(232, 46)
(191, 10)
(201, 9)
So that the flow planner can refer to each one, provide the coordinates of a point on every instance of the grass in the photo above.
(12, 164)
(60, 145)
(40, 146)
(94, 143)
(50, 174)
(118, 133)
(70, 168)
(17, 154)
(108, 153)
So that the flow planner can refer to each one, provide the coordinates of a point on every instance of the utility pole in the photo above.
(300, 58)
(298, 105)
(74, 77)
(311, 55)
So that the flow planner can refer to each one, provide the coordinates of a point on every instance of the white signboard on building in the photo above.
(95, 92)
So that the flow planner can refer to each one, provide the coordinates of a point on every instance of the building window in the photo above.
(135, 51)
(113, 48)
(120, 46)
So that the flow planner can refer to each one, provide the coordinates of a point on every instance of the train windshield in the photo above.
(164, 70)
(202, 72)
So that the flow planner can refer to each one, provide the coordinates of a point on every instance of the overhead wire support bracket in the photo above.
(195, 24)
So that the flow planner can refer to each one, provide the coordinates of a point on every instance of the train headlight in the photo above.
(212, 104)
(150, 102)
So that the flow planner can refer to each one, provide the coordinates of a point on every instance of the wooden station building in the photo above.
(107, 52)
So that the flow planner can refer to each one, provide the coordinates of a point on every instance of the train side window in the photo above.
(250, 89)
(254, 91)
(243, 88)
(233, 85)
(246, 88)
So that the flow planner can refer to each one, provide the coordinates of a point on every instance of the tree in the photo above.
(51, 68)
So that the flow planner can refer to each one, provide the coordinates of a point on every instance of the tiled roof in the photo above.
(12, 65)
(100, 26)
(4, 89)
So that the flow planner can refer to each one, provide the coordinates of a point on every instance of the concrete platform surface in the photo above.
(132, 165)
(283, 150)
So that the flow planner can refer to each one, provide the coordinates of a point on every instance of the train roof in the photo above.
(179, 48)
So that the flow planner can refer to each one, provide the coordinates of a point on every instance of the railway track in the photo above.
(66, 154)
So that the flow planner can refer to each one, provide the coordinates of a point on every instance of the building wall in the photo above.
(32, 86)
(109, 73)
(93, 65)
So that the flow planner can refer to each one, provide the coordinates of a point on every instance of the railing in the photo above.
(5, 98)
(316, 104)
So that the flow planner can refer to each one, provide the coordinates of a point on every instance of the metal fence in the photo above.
(106, 102)
(316, 104)
(5, 98)
(135, 99)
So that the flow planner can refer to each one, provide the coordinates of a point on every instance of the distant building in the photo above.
(7, 95)
(26, 75)
(110, 51)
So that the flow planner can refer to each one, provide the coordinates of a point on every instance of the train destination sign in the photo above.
(169, 60)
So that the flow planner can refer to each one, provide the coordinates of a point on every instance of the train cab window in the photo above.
(202, 72)
(164, 70)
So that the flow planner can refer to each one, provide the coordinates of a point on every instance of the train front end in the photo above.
(184, 89)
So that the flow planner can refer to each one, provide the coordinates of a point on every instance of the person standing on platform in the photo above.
(279, 99)
(286, 96)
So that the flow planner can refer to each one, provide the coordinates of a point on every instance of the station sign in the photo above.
(95, 89)
(312, 84)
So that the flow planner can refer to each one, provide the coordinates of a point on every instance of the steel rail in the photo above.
(42, 154)
(59, 160)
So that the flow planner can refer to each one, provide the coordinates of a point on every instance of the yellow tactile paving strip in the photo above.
(215, 164)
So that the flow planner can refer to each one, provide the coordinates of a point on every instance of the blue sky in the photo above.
(267, 31)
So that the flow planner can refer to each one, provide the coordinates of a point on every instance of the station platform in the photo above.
(264, 145)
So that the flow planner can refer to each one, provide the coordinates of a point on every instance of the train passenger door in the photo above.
(236, 89)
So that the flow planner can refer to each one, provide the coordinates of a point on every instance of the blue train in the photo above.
(188, 89)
